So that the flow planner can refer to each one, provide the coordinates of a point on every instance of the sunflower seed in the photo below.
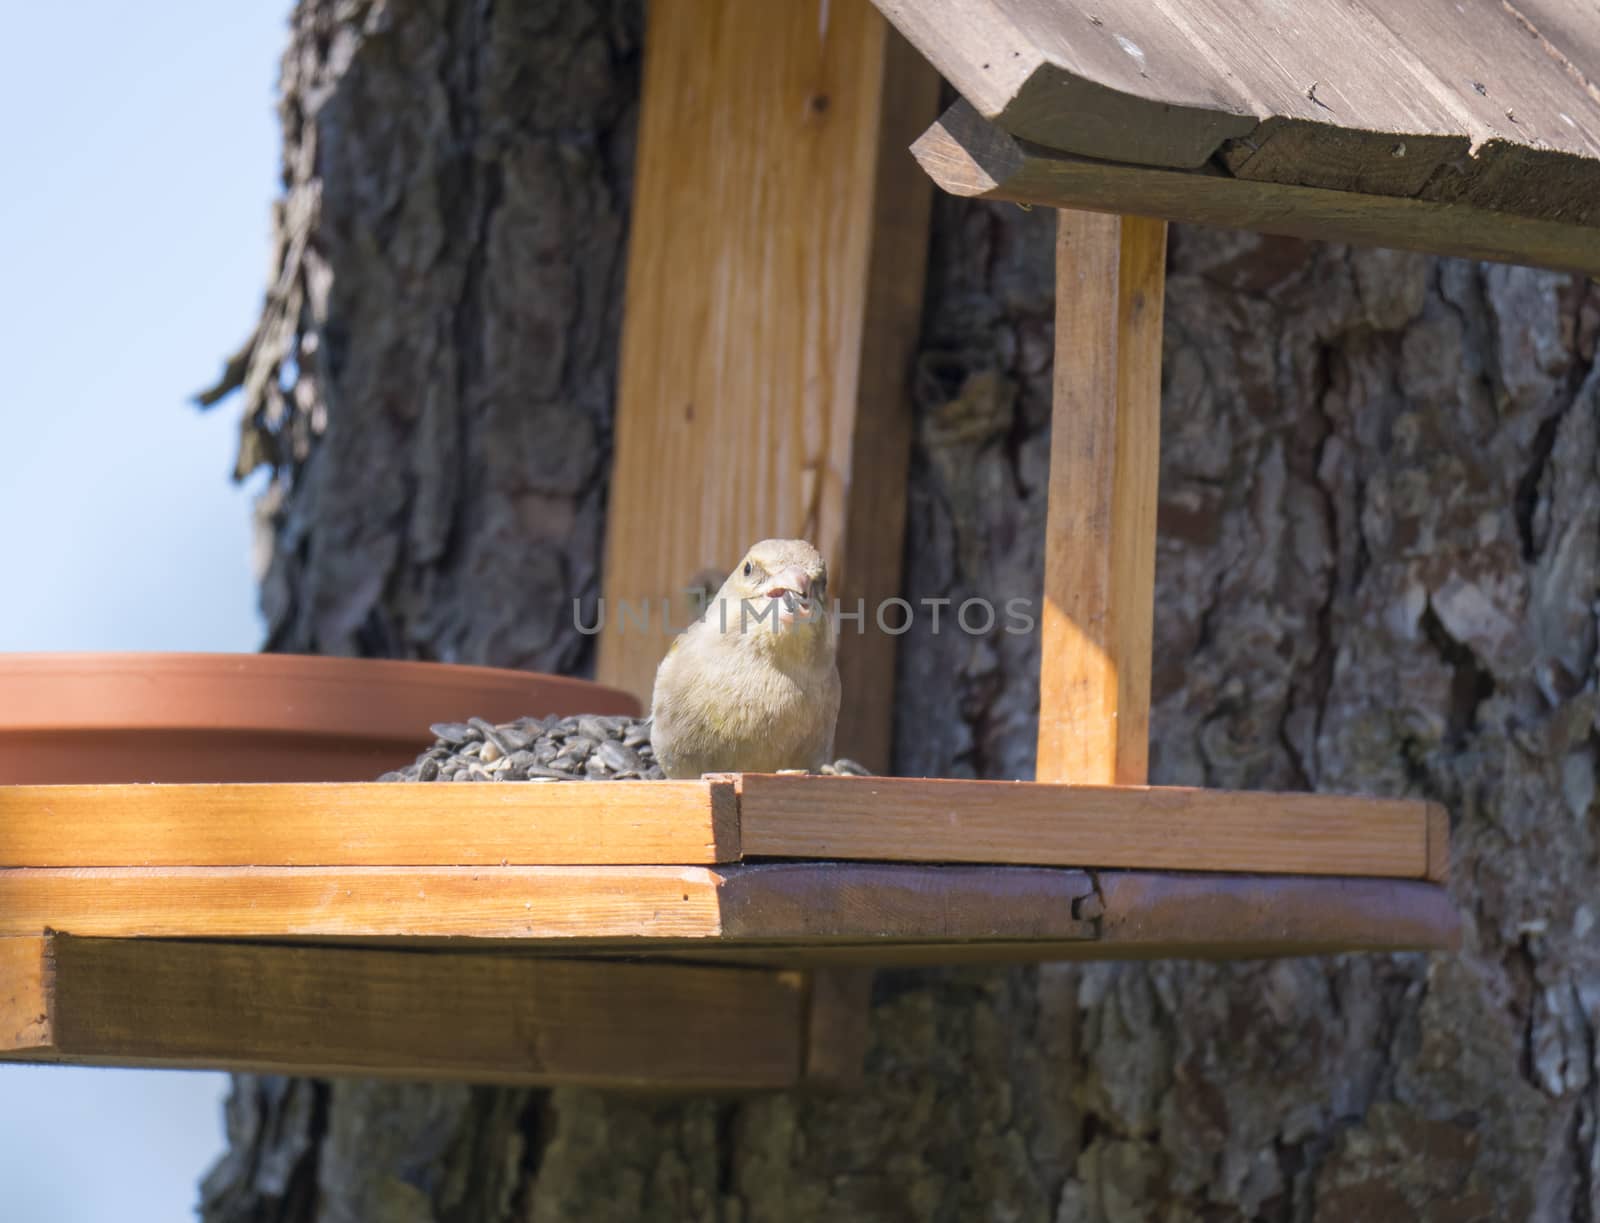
(514, 738)
(583, 747)
(451, 732)
(618, 758)
(593, 728)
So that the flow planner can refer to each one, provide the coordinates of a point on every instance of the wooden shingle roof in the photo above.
(1462, 126)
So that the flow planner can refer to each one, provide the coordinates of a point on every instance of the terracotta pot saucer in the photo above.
(98, 718)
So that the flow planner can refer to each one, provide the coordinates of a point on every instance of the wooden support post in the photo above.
(775, 274)
(1099, 578)
(838, 1027)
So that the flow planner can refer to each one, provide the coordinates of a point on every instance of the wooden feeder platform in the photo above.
(717, 933)
(685, 934)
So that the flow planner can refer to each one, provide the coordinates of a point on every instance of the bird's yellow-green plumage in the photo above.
(752, 686)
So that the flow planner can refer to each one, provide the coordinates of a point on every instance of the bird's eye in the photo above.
(748, 568)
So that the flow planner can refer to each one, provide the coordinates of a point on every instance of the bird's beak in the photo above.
(791, 580)
(792, 586)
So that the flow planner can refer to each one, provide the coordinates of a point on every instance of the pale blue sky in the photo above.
(140, 161)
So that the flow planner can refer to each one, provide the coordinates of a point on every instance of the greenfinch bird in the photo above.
(752, 686)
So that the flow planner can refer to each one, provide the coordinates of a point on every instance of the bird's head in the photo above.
(780, 586)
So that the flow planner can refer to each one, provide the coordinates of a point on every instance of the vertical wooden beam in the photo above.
(868, 556)
(838, 1026)
(775, 278)
(1099, 582)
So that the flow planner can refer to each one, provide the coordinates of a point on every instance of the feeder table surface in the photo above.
(637, 933)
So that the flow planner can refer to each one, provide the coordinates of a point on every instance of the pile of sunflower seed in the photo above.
(585, 747)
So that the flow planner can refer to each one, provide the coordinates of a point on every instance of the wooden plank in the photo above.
(1132, 913)
(1535, 130)
(515, 903)
(1059, 73)
(1146, 915)
(969, 157)
(1445, 99)
(1568, 33)
(872, 544)
(1137, 828)
(1151, 916)
(887, 955)
(1099, 584)
(802, 904)
(1344, 104)
(774, 289)
(24, 994)
(816, 902)
(357, 824)
(432, 1015)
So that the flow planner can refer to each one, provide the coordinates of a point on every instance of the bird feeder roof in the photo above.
(1461, 126)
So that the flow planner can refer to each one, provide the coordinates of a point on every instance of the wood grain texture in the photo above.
(774, 288)
(1343, 104)
(969, 157)
(1086, 826)
(511, 903)
(362, 824)
(838, 1027)
(1448, 100)
(772, 905)
(25, 973)
(814, 902)
(1533, 126)
(1150, 916)
(1099, 574)
(432, 1015)
(1188, 916)
(1053, 71)
(871, 546)
(206, 831)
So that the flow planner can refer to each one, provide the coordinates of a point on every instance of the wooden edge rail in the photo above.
(1142, 915)
(1111, 827)
(968, 156)
(780, 913)
(331, 1011)
(816, 904)
(721, 820)
(452, 1014)
(617, 823)
(1152, 915)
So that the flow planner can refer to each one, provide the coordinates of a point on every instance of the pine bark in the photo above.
(1377, 568)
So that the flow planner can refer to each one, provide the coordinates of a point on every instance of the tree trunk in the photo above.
(1380, 532)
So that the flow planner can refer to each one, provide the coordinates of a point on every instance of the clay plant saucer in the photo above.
(99, 718)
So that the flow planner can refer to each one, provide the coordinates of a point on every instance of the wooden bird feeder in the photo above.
(713, 933)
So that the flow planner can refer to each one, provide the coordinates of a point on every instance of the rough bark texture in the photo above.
(1380, 534)
(431, 379)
